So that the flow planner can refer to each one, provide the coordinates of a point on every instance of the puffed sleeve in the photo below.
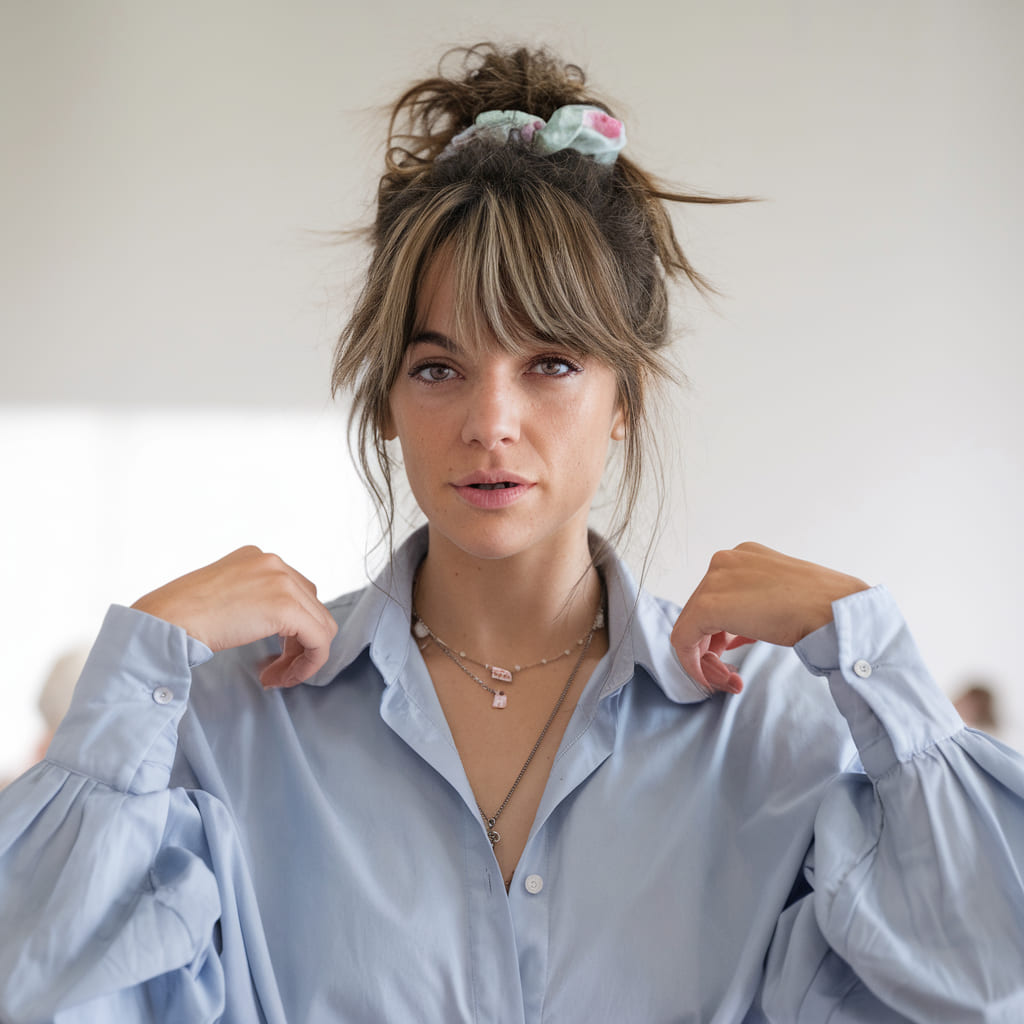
(916, 902)
(109, 903)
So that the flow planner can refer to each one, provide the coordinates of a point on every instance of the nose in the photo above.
(493, 413)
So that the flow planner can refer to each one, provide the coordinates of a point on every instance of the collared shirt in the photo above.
(829, 845)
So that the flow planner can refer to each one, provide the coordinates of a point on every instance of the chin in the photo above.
(490, 542)
(492, 537)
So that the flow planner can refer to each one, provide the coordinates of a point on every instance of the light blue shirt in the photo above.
(196, 849)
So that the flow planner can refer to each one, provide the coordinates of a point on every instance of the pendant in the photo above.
(492, 834)
(500, 700)
(501, 674)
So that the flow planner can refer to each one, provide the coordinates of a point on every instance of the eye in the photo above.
(432, 373)
(554, 366)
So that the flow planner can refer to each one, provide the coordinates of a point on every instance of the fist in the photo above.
(753, 593)
(246, 596)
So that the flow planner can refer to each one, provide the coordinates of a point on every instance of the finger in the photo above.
(699, 624)
(314, 624)
(702, 663)
(689, 635)
(721, 642)
(719, 675)
(306, 636)
(303, 615)
(690, 660)
(689, 649)
(739, 641)
(301, 669)
(691, 653)
(305, 653)
(290, 668)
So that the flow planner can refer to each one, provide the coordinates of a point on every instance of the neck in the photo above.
(516, 609)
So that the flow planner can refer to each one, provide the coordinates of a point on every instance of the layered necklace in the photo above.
(500, 700)
(502, 675)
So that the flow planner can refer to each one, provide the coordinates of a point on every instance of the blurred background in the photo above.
(172, 179)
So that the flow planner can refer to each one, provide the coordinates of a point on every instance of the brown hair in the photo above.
(552, 247)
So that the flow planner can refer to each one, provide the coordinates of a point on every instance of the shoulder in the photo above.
(230, 680)
(784, 721)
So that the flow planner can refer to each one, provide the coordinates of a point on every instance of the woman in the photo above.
(502, 783)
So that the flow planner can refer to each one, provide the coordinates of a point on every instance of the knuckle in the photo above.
(752, 547)
(724, 559)
(273, 565)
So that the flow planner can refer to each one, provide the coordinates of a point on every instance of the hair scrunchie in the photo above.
(580, 127)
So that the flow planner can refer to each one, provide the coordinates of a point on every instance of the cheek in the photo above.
(426, 452)
(590, 421)
(409, 423)
(586, 433)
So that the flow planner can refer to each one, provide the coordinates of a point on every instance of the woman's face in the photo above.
(502, 452)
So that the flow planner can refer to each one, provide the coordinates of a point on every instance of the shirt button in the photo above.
(862, 668)
(534, 884)
(163, 695)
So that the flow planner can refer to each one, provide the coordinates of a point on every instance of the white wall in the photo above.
(853, 394)
(116, 502)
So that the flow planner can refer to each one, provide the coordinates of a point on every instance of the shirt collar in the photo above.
(378, 618)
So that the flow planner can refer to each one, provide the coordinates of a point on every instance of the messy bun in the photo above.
(552, 246)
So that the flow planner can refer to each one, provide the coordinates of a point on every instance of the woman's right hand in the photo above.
(246, 596)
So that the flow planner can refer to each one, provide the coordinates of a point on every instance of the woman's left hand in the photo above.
(753, 593)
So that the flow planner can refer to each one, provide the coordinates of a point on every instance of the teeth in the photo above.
(493, 487)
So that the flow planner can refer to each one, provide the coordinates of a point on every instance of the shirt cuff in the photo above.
(122, 726)
(881, 686)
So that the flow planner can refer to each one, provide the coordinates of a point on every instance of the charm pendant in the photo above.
(492, 834)
(501, 674)
(500, 700)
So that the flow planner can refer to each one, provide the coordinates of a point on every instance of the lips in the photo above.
(493, 489)
(491, 479)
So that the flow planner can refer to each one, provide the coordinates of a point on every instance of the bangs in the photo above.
(529, 267)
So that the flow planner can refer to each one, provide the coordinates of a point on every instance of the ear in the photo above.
(619, 426)
(387, 427)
